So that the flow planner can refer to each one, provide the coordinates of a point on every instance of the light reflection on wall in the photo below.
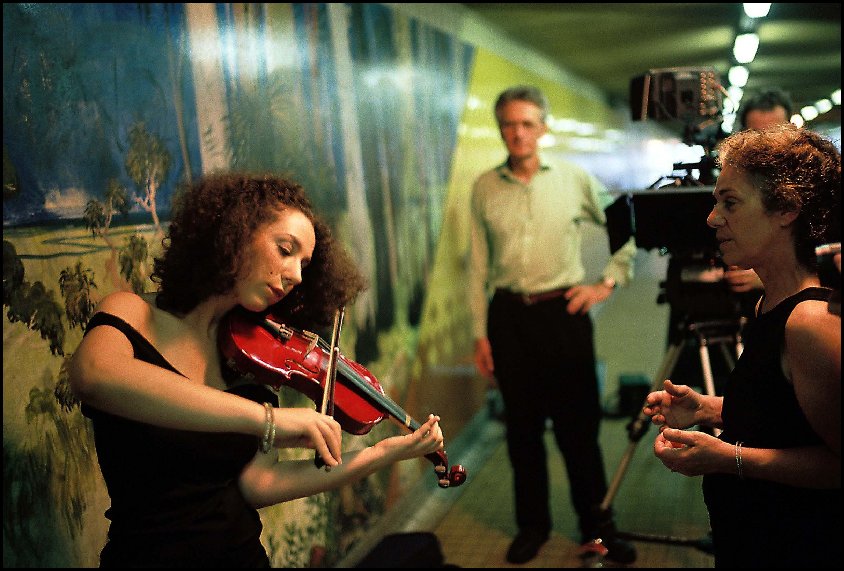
(629, 158)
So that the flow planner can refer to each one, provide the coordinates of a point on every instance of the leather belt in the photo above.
(532, 298)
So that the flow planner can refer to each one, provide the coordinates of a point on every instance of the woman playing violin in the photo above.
(187, 450)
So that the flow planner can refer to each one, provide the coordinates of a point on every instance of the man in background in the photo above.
(534, 336)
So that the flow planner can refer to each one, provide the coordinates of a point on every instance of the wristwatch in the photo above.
(609, 282)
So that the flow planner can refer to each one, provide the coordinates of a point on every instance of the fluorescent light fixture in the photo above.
(745, 46)
(823, 105)
(809, 112)
(738, 75)
(735, 93)
(836, 97)
(757, 9)
(797, 119)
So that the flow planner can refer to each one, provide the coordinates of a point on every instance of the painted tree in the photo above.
(147, 162)
(98, 215)
(35, 306)
(75, 286)
(133, 257)
(31, 304)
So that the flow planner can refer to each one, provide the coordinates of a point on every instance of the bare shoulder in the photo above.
(812, 321)
(136, 310)
(813, 334)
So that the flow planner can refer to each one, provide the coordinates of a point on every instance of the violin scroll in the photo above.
(446, 478)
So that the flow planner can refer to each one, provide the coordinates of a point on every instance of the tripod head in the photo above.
(695, 287)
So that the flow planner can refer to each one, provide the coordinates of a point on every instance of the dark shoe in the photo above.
(526, 545)
(600, 529)
(619, 550)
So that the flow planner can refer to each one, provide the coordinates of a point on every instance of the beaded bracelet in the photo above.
(269, 429)
(738, 459)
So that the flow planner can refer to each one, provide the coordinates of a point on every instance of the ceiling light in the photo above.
(823, 105)
(836, 97)
(797, 119)
(728, 122)
(735, 93)
(745, 47)
(738, 75)
(809, 112)
(757, 9)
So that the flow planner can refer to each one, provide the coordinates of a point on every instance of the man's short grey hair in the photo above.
(523, 93)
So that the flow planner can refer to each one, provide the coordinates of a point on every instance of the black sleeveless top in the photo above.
(758, 523)
(175, 500)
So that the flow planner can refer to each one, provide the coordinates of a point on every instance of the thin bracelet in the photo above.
(738, 459)
(269, 429)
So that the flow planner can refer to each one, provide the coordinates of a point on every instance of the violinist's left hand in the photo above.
(426, 439)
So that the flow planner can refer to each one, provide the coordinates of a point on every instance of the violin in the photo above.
(277, 355)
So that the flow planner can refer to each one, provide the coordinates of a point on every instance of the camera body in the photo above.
(691, 98)
(673, 221)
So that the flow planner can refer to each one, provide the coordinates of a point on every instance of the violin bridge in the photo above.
(314, 340)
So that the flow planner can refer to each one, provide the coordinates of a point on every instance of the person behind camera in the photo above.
(187, 447)
(766, 108)
(772, 477)
(534, 336)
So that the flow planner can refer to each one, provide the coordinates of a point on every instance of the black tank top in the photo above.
(175, 500)
(759, 523)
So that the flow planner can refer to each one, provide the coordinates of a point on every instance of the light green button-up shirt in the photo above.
(527, 237)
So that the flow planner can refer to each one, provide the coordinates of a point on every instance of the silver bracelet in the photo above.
(269, 429)
(738, 459)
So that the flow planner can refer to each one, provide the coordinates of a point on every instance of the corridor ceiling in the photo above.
(609, 44)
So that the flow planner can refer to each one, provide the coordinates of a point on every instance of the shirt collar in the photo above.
(504, 171)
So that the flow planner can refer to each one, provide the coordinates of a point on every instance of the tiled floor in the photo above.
(663, 512)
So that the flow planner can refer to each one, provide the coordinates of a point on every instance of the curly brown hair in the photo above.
(214, 220)
(795, 169)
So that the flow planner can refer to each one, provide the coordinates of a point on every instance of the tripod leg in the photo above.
(706, 367)
(639, 427)
(592, 553)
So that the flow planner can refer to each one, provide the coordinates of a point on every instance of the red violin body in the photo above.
(277, 355)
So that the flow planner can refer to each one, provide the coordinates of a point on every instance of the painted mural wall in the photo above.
(108, 109)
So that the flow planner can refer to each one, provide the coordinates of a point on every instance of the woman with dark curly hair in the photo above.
(772, 478)
(184, 449)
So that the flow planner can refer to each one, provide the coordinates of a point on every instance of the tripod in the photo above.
(703, 333)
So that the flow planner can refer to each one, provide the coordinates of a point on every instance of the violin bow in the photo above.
(327, 406)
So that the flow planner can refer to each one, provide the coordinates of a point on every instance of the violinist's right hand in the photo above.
(308, 428)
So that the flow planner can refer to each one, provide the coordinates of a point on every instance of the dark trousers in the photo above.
(545, 368)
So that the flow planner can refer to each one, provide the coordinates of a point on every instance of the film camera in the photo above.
(672, 218)
(688, 101)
